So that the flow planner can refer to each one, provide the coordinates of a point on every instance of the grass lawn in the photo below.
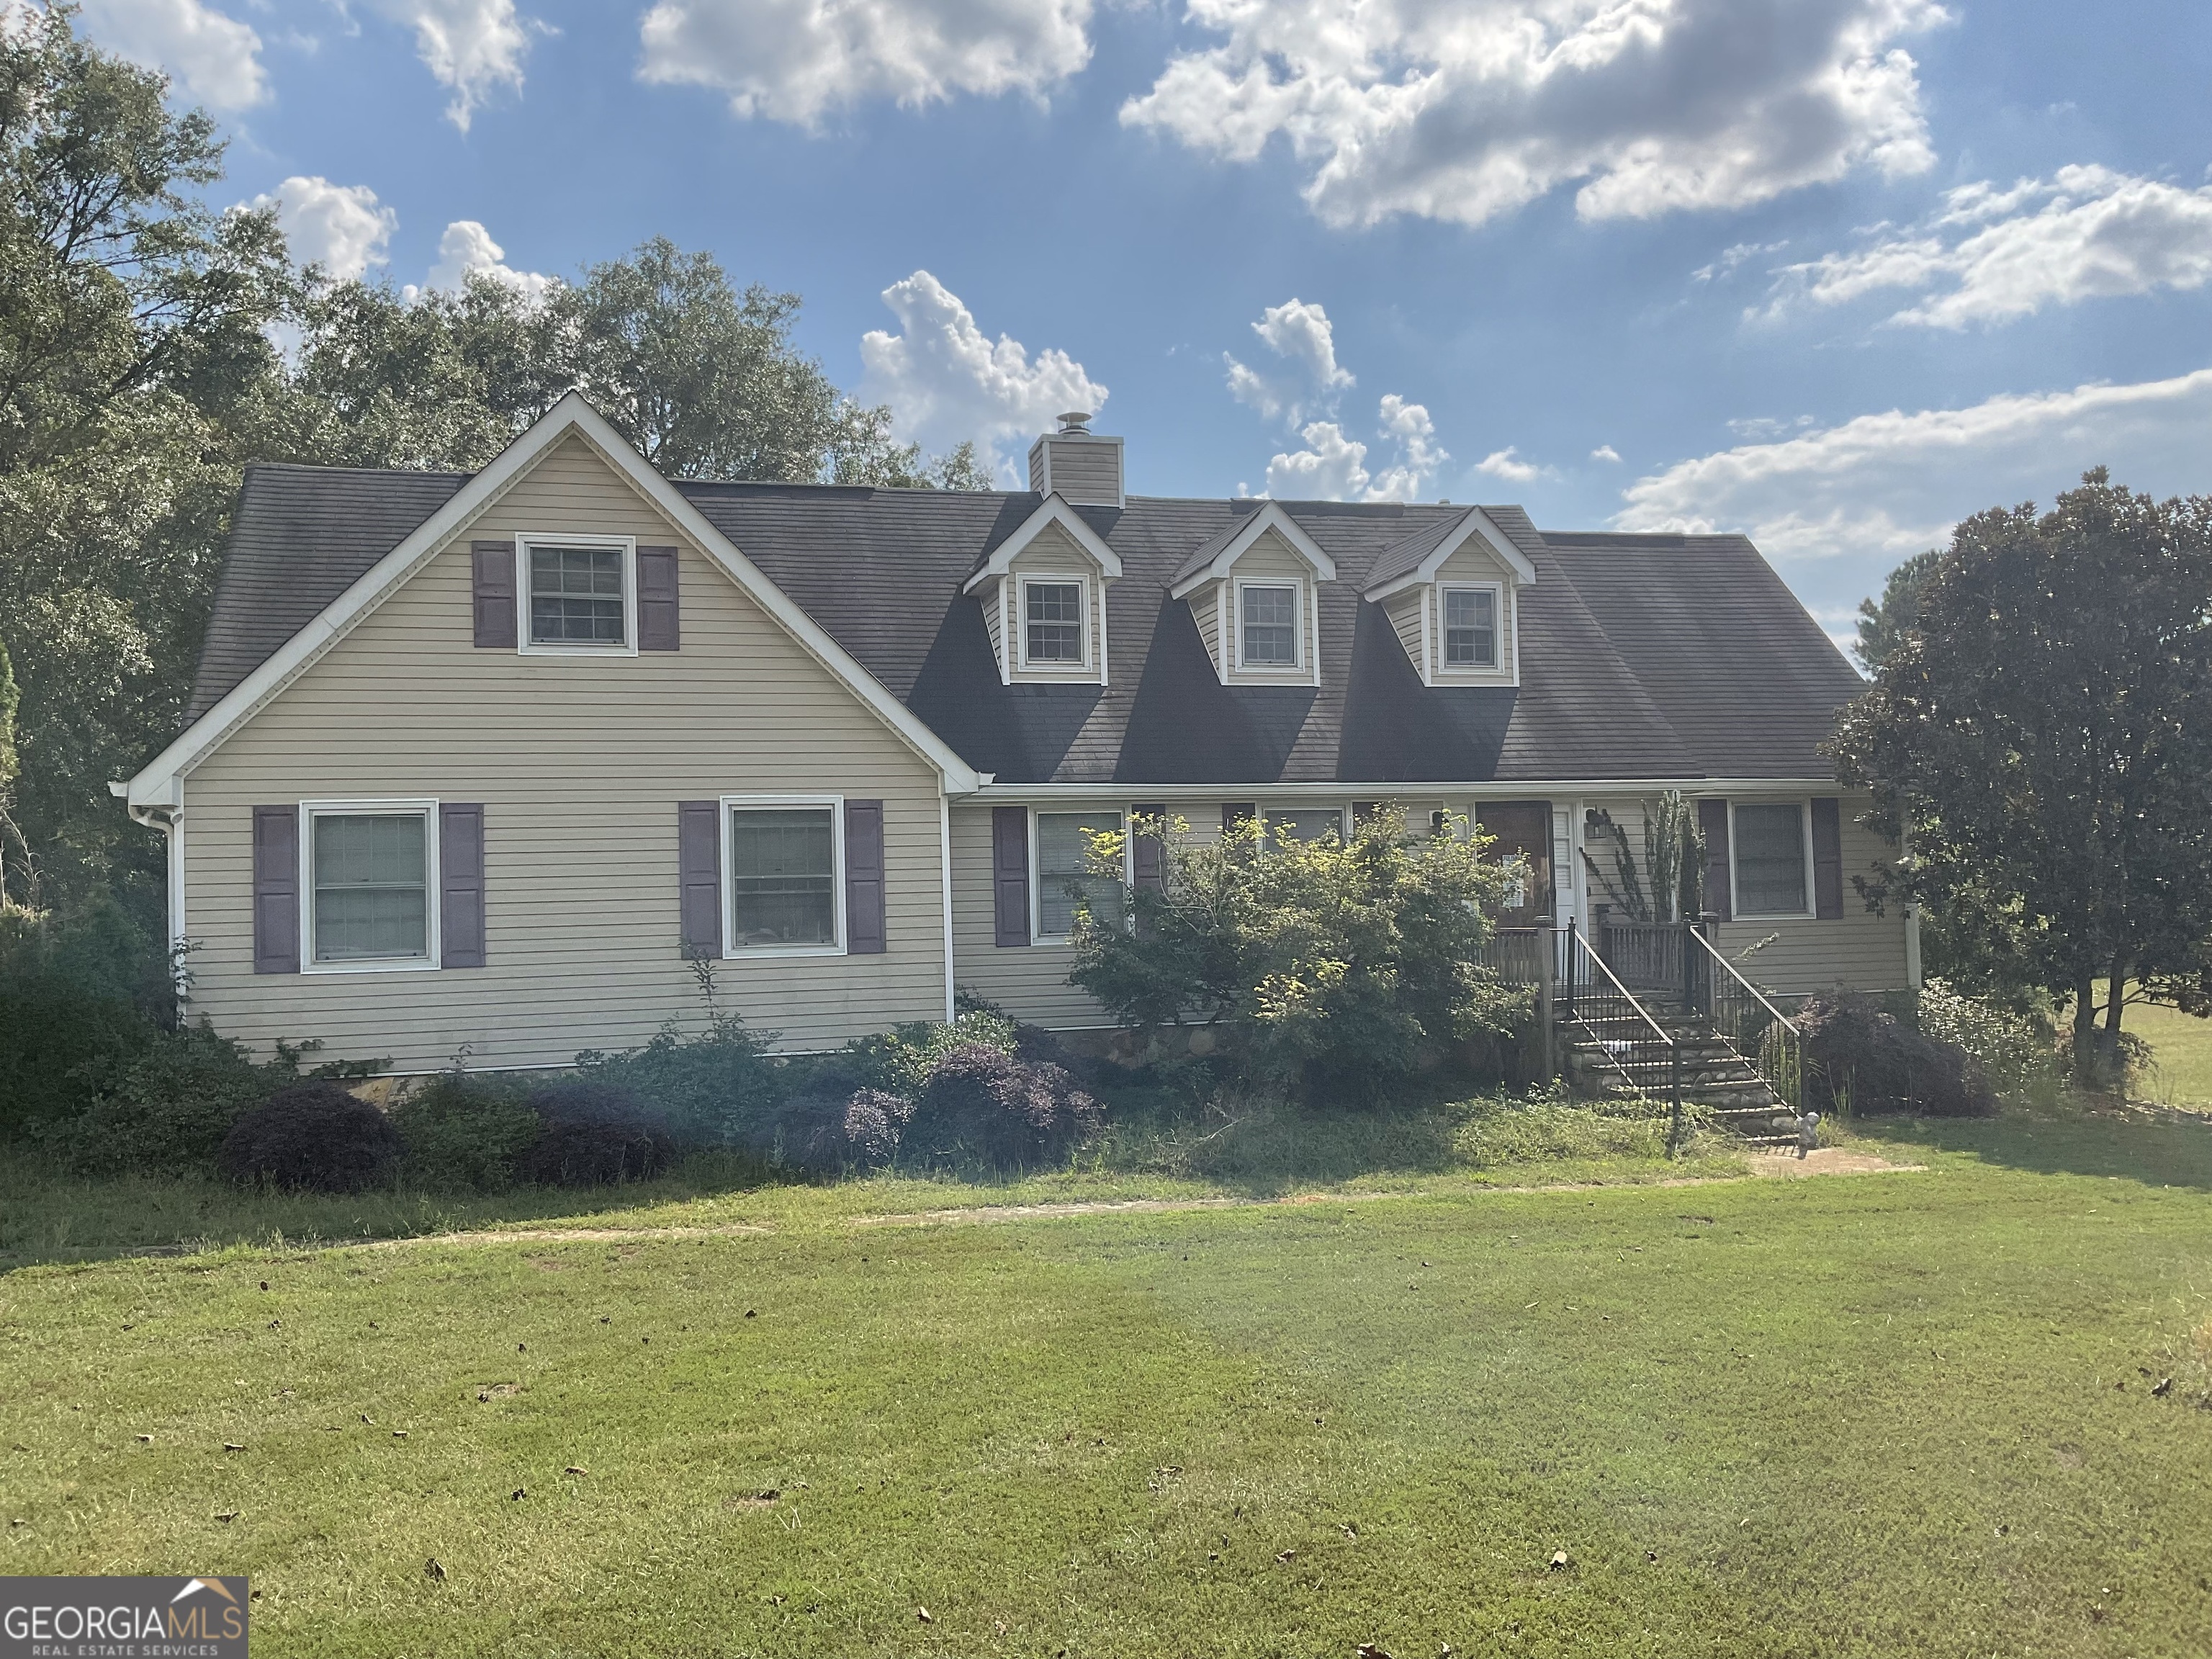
(1880, 1414)
(2181, 1074)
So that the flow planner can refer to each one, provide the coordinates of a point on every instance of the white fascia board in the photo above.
(1052, 510)
(160, 779)
(1270, 516)
(1476, 523)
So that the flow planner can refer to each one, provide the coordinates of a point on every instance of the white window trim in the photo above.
(1298, 664)
(433, 888)
(523, 543)
(1492, 670)
(731, 950)
(1804, 806)
(1037, 935)
(1055, 665)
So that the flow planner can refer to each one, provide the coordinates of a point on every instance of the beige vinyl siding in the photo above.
(1858, 949)
(1270, 559)
(1205, 610)
(1053, 552)
(1029, 981)
(578, 763)
(1404, 610)
(992, 598)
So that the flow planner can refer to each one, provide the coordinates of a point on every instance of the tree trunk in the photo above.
(2118, 984)
(2085, 1025)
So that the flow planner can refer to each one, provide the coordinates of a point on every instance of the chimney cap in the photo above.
(1076, 420)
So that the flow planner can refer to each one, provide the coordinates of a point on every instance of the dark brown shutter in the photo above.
(1362, 810)
(460, 887)
(1234, 815)
(657, 627)
(864, 878)
(1147, 852)
(493, 566)
(275, 890)
(1009, 875)
(699, 875)
(1827, 859)
(1713, 825)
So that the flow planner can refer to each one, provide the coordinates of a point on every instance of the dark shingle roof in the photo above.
(1642, 656)
(1405, 557)
(1209, 550)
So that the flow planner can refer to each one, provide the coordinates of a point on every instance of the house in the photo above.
(489, 762)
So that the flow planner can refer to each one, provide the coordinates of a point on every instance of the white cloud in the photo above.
(473, 47)
(1730, 257)
(1303, 337)
(947, 382)
(1846, 502)
(341, 228)
(1465, 109)
(1507, 465)
(1419, 453)
(1991, 255)
(797, 60)
(467, 250)
(216, 59)
(1606, 453)
(1330, 468)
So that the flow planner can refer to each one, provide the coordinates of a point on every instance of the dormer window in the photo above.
(1270, 614)
(1452, 593)
(1254, 590)
(1053, 620)
(1043, 592)
(1470, 628)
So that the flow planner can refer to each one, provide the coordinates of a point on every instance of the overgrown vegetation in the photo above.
(1331, 969)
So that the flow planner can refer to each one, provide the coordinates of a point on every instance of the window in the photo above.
(783, 877)
(1770, 860)
(1065, 879)
(1052, 618)
(369, 884)
(578, 595)
(1270, 634)
(1470, 628)
(1304, 823)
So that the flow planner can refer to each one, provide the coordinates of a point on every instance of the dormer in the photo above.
(1452, 593)
(1044, 594)
(1254, 591)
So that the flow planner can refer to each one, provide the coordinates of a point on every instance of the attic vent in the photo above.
(1082, 467)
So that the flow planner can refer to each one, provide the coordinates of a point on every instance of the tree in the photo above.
(132, 322)
(1333, 965)
(2041, 735)
(1884, 625)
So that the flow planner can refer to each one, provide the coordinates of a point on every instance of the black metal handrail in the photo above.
(1762, 1035)
(1621, 1027)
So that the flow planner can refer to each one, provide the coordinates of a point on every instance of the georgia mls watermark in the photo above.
(123, 1618)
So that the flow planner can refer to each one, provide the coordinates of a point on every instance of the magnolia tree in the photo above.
(1334, 967)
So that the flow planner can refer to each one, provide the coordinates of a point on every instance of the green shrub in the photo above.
(77, 1001)
(314, 1135)
(718, 1089)
(1337, 969)
(168, 1105)
(2018, 1052)
(463, 1133)
(902, 1059)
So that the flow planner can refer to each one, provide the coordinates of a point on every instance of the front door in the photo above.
(1521, 828)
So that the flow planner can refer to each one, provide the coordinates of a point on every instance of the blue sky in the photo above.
(1834, 272)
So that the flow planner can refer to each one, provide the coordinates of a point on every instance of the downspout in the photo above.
(945, 885)
(170, 821)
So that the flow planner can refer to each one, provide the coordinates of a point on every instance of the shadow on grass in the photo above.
(2133, 1146)
(47, 1217)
